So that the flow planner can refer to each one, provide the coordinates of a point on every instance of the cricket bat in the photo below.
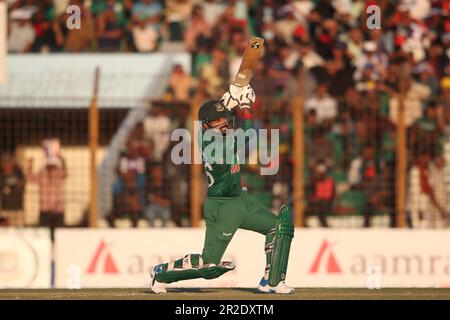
(249, 61)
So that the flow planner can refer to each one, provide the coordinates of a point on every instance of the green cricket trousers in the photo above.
(224, 215)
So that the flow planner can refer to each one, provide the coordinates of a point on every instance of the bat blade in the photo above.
(249, 61)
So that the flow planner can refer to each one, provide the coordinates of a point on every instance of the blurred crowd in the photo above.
(350, 77)
(148, 185)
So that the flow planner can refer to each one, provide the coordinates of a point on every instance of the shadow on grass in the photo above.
(206, 290)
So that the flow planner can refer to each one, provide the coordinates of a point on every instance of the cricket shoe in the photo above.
(155, 286)
(281, 288)
(263, 286)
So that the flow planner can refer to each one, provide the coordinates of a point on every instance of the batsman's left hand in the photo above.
(228, 101)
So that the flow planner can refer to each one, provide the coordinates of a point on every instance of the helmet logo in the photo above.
(219, 107)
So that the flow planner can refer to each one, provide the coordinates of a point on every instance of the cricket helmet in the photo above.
(212, 110)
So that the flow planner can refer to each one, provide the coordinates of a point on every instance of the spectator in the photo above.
(12, 187)
(213, 9)
(145, 39)
(415, 95)
(424, 74)
(354, 40)
(362, 137)
(281, 119)
(319, 149)
(179, 84)
(50, 180)
(176, 186)
(300, 82)
(260, 84)
(129, 188)
(439, 183)
(320, 193)
(326, 38)
(363, 175)
(281, 184)
(437, 59)
(109, 32)
(78, 40)
(363, 168)
(324, 105)
(311, 125)
(279, 68)
(426, 132)
(388, 147)
(149, 11)
(409, 33)
(287, 25)
(197, 30)
(48, 35)
(177, 13)
(372, 58)
(21, 34)
(216, 71)
(121, 8)
(158, 197)
(338, 75)
(380, 196)
(138, 144)
(351, 102)
(325, 9)
(343, 140)
(425, 208)
(376, 123)
(157, 129)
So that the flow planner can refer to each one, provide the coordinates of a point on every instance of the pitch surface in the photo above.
(230, 294)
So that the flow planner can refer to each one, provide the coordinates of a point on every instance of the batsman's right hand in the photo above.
(244, 95)
(247, 97)
(235, 91)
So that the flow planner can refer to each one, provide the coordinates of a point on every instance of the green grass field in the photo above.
(230, 294)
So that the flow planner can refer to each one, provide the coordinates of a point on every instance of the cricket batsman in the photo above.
(229, 207)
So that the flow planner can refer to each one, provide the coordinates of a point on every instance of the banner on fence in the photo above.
(319, 258)
(25, 258)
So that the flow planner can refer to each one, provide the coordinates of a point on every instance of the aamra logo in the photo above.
(103, 254)
(325, 254)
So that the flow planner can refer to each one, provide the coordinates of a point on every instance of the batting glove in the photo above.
(228, 101)
(247, 97)
(235, 91)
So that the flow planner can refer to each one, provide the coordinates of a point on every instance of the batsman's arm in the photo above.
(246, 100)
(248, 128)
(247, 119)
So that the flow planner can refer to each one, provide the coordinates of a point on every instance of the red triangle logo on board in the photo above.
(325, 255)
(102, 254)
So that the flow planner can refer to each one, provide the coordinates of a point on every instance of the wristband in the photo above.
(247, 115)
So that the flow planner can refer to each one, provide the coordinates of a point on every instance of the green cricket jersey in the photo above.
(224, 179)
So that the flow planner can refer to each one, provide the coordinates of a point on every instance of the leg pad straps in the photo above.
(284, 232)
(193, 268)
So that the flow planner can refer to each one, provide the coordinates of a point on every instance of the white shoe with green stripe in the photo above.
(155, 286)
(281, 288)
